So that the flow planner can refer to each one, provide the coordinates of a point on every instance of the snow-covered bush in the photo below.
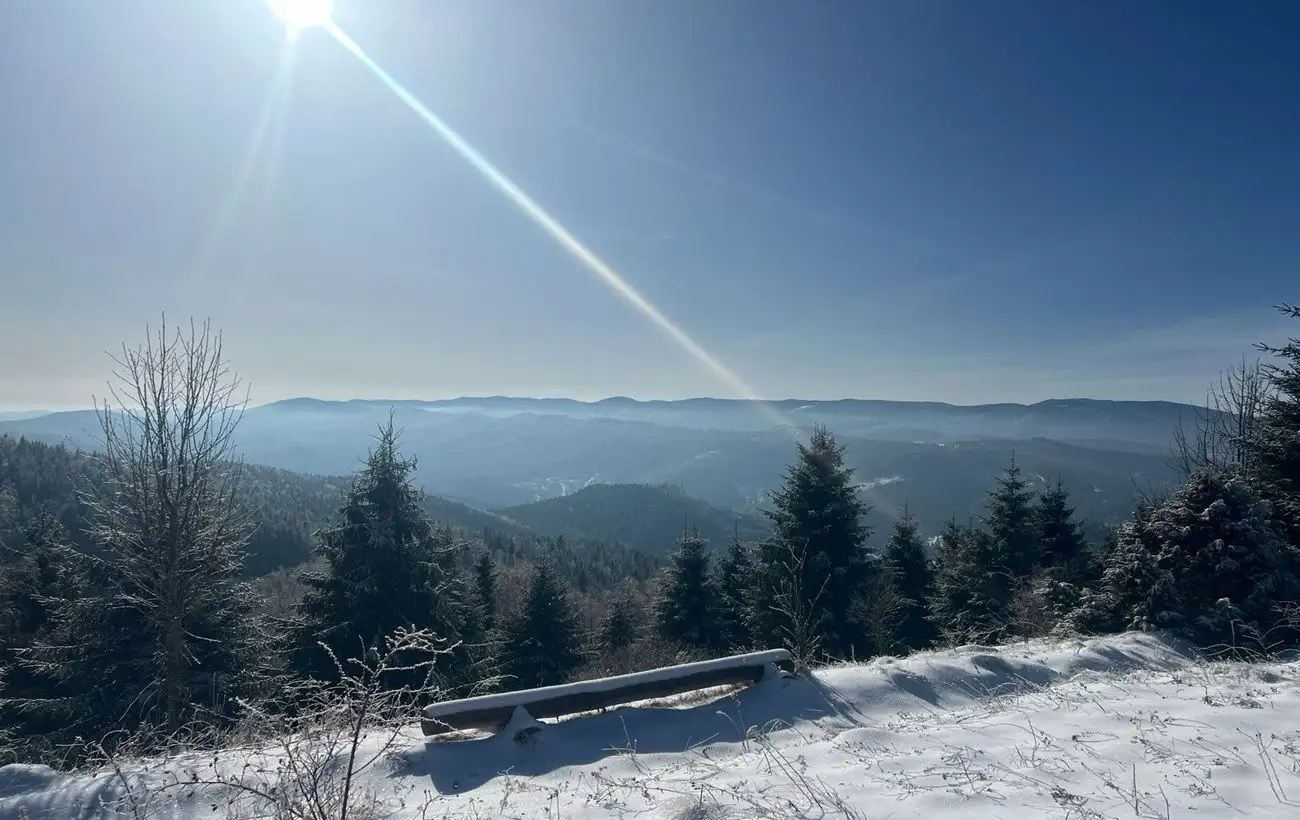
(1212, 561)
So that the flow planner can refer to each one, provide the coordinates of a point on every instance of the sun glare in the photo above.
(301, 14)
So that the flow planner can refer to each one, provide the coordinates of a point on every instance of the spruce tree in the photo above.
(956, 572)
(1060, 536)
(34, 579)
(620, 628)
(38, 585)
(8, 499)
(686, 607)
(1276, 444)
(988, 567)
(543, 641)
(734, 582)
(1011, 525)
(909, 570)
(1212, 561)
(816, 559)
(485, 590)
(386, 566)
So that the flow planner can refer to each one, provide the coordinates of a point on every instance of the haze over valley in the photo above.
(499, 453)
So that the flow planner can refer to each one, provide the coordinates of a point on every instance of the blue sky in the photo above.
(961, 201)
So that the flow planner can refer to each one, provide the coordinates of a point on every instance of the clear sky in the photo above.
(1004, 200)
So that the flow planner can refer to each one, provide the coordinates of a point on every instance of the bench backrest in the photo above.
(493, 711)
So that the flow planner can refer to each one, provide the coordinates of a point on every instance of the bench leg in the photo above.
(522, 727)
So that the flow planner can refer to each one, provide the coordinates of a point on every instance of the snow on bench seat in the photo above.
(494, 711)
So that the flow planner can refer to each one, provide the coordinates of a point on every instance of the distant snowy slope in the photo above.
(1119, 727)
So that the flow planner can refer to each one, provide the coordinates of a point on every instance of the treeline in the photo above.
(39, 479)
(155, 627)
(645, 516)
(45, 480)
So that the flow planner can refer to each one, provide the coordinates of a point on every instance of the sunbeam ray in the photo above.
(275, 155)
(560, 234)
(276, 96)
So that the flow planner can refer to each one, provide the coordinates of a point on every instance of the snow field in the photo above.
(1124, 726)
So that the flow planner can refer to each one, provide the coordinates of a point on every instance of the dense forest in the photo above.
(643, 516)
(157, 588)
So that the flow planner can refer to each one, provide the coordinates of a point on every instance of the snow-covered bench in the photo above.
(493, 712)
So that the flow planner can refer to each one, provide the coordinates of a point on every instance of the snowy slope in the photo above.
(1118, 727)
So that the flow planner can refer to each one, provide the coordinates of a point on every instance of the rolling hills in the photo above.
(501, 453)
(647, 517)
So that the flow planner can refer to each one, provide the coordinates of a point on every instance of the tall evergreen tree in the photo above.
(956, 574)
(543, 641)
(386, 566)
(34, 579)
(817, 552)
(8, 499)
(1060, 536)
(36, 587)
(686, 608)
(987, 567)
(1276, 443)
(734, 582)
(1011, 525)
(620, 628)
(910, 572)
(485, 589)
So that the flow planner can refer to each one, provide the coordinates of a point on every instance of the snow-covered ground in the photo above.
(1117, 727)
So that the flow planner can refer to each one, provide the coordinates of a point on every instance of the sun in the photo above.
(301, 14)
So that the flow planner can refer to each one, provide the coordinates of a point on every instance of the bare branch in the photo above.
(1221, 435)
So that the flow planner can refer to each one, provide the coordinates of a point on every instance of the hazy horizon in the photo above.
(9, 410)
(931, 201)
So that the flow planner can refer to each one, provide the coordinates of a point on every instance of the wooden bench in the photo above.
(493, 712)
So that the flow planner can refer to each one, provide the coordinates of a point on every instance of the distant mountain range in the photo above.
(497, 453)
(1126, 424)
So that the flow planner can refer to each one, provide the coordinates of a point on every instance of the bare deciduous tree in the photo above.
(880, 611)
(1222, 433)
(165, 508)
(800, 612)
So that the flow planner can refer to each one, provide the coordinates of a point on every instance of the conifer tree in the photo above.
(1212, 561)
(1060, 536)
(37, 585)
(734, 582)
(1276, 443)
(8, 501)
(386, 566)
(543, 641)
(619, 629)
(485, 589)
(686, 609)
(909, 570)
(1011, 526)
(988, 567)
(818, 534)
(956, 573)
(34, 580)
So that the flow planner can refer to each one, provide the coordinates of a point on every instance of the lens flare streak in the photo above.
(558, 232)
(270, 124)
